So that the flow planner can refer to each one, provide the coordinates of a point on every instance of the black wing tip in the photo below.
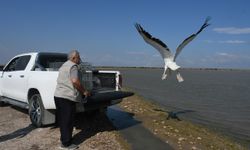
(138, 27)
(142, 31)
(136, 24)
(148, 35)
(205, 24)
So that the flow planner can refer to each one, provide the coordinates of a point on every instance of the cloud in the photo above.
(233, 42)
(227, 41)
(225, 58)
(226, 55)
(208, 41)
(156, 55)
(232, 30)
(136, 53)
(222, 58)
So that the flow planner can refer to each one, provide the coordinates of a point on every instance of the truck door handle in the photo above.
(21, 76)
(10, 76)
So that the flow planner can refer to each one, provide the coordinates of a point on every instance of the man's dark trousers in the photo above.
(65, 112)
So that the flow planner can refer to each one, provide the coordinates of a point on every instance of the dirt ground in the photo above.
(16, 132)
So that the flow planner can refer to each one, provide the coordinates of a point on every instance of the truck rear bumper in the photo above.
(107, 96)
(104, 99)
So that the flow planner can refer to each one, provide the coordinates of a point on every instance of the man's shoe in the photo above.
(70, 147)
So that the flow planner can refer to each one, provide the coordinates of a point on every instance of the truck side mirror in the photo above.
(2, 71)
(1, 67)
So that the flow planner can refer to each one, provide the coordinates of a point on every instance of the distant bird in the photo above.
(169, 58)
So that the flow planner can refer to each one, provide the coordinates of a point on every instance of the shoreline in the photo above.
(184, 68)
(187, 68)
(179, 134)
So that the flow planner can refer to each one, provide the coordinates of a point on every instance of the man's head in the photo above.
(74, 56)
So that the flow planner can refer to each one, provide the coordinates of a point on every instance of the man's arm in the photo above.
(77, 84)
(76, 81)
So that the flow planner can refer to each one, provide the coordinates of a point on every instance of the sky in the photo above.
(103, 30)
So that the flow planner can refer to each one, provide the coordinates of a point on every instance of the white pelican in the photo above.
(169, 59)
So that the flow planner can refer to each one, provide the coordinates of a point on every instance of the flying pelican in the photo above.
(169, 58)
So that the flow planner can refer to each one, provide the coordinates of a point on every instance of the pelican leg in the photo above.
(179, 77)
(164, 75)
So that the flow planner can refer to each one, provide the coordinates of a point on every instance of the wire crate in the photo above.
(85, 70)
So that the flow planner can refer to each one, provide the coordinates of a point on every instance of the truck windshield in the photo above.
(50, 62)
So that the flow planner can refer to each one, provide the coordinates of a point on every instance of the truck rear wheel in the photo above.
(36, 110)
(1, 102)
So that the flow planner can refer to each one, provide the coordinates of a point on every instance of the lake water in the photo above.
(219, 99)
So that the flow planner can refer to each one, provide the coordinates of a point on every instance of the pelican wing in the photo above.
(156, 43)
(190, 38)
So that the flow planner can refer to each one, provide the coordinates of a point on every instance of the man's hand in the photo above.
(86, 93)
(77, 84)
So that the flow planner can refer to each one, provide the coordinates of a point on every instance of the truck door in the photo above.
(15, 78)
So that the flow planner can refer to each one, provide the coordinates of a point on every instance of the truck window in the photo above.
(18, 63)
(22, 62)
(51, 62)
(12, 65)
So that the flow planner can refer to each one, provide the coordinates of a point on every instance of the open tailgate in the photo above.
(108, 96)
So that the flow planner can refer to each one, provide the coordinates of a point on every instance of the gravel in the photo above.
(93, 132)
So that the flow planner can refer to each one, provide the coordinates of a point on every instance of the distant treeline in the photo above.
(230, 69)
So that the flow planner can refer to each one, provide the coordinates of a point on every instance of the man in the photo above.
(69, 90)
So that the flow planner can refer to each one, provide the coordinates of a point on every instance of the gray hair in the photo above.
(72, 53)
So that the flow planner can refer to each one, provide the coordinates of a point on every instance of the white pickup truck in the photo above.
(29, 81)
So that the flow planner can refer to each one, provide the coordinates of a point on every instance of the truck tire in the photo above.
(1, 102)
(36, 110)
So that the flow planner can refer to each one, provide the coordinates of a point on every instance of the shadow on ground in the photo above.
(174, 114)
(20, 133)
(121, 119)
(88, 124)
(92, 124)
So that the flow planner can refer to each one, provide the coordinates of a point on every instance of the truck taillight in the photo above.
(120, 81)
